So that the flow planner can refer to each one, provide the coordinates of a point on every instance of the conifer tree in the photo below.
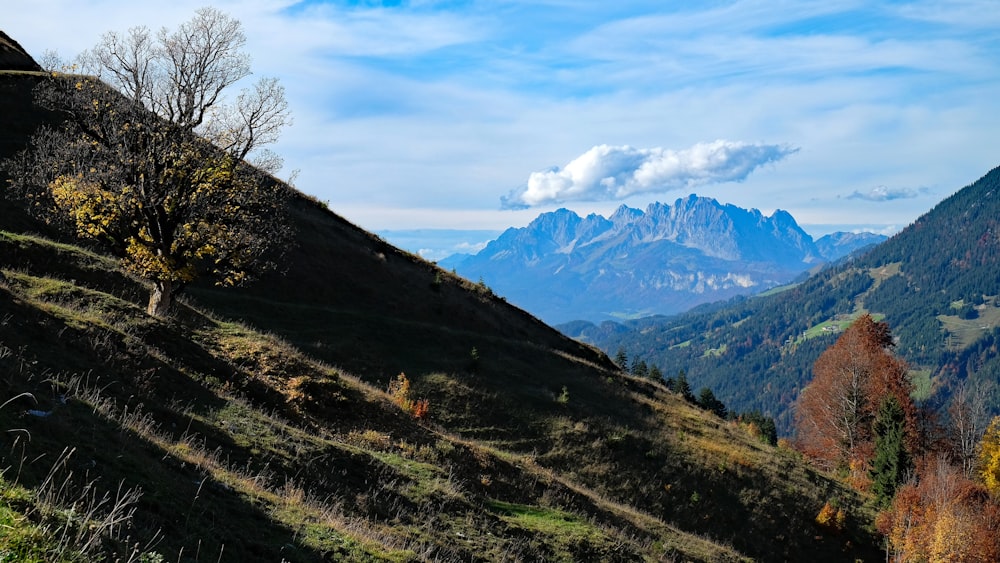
(655, 373)
(892, 462)
(708, 401)
(640, 368)
(682, 388)
(621, 358)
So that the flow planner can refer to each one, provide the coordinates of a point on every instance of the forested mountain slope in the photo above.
(936, 283)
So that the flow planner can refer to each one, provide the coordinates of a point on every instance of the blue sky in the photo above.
(428, 115)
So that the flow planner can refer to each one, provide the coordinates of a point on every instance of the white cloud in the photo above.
(613, 173)
(883, 193)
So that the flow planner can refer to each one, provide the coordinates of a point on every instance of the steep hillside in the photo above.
(14, 57)
(936, 283)
(20, 119)
(666, 259)
(257, 425)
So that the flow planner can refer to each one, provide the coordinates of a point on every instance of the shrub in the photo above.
(399, 392)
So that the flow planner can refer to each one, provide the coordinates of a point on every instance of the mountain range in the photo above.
(663, 260)
(936, 283)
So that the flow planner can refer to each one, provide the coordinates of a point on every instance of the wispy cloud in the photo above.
(884, 193)
(607, 173)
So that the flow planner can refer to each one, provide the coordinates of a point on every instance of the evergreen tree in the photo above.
(682, 388)
(621, 359)
(708, 401)
(892, 461)
(763, 426)
(655, 373)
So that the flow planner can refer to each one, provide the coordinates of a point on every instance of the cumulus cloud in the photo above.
(883, 193)
(606, 173)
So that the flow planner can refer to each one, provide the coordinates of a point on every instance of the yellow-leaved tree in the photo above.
(149, 161)
(989, 457)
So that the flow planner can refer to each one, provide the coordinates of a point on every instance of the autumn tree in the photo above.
(989, 457)
(942, 517)
(182, 76)
(835, 413)
(149, 158)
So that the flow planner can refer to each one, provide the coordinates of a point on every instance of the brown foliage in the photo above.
(836, 410)
(942, 517)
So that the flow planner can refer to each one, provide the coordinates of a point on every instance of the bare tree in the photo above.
(144, 167)
(182, 75)
(969, 417)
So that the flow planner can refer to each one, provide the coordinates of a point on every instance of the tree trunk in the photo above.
(160, 299)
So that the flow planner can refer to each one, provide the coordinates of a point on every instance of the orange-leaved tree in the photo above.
(835, 414)
(942, 517)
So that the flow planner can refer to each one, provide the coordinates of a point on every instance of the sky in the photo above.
(428, 117)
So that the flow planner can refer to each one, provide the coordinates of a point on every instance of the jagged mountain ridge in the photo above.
(935, 283)
(664, 260)
(840, 244)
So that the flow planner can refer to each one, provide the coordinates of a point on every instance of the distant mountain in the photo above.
(840, 244)
(936, 283)
(664, 260)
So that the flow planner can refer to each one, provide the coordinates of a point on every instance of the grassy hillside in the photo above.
(257, 426)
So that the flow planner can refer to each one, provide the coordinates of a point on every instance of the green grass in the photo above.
(779, 289)
(547, 521)
(629, 316)
(715, 351)
(834, 326)
(923, 385)
(20, 539)
(961, 333)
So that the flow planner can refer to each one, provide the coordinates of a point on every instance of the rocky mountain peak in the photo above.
(664, 260)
